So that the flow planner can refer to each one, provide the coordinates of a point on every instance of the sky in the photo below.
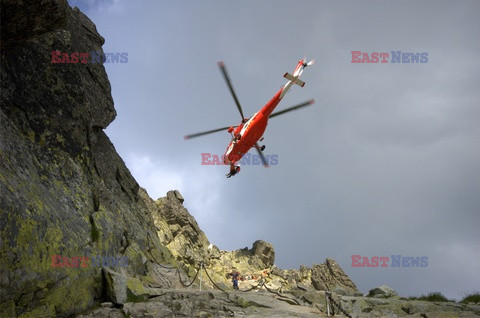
(386, 162)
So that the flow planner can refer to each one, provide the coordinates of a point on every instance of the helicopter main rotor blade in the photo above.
(204, 133)
(264, 160)
(230, 86)
(292, 108)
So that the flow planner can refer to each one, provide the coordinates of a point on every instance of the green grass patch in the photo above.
(434, 296)
(472, 298)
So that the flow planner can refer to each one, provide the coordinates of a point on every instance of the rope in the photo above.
(272, 291)
(214, 284)
(166, 267)
(190, 284)
(260, 284)
(280, 294)
(211, 280)
(178, 273)
(338, 305)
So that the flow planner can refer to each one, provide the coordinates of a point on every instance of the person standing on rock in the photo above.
(235, 280)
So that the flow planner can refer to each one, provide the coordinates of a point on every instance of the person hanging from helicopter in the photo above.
(233, 171)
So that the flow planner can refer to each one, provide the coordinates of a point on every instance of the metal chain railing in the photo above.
(193, 280)
(271, 291)
(177, 272)
(166, 267)
(211, 280)
(330, 300)
(260, 284)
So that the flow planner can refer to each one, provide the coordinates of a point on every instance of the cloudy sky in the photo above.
(386, 162)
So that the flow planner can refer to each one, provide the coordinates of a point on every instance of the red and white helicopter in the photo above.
(247, 134)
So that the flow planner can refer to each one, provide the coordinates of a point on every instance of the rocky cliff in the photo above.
(64, 189)
(77, 231)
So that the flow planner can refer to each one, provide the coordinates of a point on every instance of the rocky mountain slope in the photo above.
(64, 189)
(79, 236)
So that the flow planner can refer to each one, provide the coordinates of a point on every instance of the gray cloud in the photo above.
(385, 162)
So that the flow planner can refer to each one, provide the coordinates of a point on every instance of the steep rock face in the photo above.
(179, 231)
(64, 189)
(330, 276)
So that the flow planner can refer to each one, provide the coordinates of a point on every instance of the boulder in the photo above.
(135, 290)
(393, 309)
(178, 196)
(330, 276)
(116, 286)
(264, 251)
(382, 292)
(360, 306)
(305, 273)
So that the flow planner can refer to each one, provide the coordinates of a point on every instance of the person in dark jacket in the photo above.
(235, 276)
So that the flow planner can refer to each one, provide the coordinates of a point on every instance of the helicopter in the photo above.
(250, 130)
